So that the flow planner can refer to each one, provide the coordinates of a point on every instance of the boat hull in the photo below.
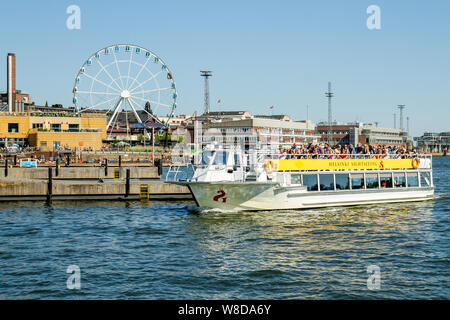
(270, 196)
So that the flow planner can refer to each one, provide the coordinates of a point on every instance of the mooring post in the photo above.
(49, 185)
(57, 167)
(106, 167)
(160, 166)
(15, 160)
(6, 167)
(127, 184)
(120, 161)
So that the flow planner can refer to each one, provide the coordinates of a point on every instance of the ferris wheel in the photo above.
(126, 78)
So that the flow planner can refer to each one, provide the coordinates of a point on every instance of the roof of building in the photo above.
(225, 113)
(261, 123)
(283, 117)
(138, 125)
(128, 117)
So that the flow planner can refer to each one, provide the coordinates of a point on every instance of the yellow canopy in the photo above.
(337, 164)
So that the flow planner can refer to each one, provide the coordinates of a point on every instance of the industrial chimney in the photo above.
(11, 81)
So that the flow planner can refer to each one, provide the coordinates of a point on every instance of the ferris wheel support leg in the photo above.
(137, 116)
(134, 111)
(116, 110)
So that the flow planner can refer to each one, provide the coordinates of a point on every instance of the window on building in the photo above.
(413, 180)
(74, 127)
(371, 181)
(399, 180)
(386, 180)
(357, 181)
(326, 182)
(55, 127)
(13, 127)
(310, 181)
(38, 125)
(342, 182)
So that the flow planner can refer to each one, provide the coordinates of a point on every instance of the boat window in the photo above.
(310, 181)
(236, 160)
(220, 158)
(399, 180)
(326, 182)
(413, 180)
(206, 157)
(357, 181)
(386, 180)
(296, 179)
(425, 179)
(342, 182)
(371, 181)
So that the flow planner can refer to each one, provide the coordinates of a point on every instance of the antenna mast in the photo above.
(329, 95)
(206, 74)
(401, 107)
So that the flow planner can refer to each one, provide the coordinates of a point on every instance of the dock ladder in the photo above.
(144, 192)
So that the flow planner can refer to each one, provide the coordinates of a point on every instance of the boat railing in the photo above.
(281, 156)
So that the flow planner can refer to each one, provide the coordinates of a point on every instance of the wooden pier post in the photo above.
(49, 185)
(127, 184)
(6, 167)
(57, 167)
(106, 167)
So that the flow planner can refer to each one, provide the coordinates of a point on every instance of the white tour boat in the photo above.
(228, 180)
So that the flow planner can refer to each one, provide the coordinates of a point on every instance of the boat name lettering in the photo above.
(352, 163)
(220, 195)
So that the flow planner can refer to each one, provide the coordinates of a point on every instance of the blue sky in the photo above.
(262, 53)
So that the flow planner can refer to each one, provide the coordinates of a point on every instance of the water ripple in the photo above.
(159, 250)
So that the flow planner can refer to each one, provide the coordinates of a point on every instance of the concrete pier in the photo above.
(84, 183)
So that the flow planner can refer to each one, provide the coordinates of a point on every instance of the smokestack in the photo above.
(11, 80)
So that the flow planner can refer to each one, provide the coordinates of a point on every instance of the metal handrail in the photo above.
(344, 156)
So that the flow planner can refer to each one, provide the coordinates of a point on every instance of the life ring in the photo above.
(415, 163)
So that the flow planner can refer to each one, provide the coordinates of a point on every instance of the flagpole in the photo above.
(153, 142)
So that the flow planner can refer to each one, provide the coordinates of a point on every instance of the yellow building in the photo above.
(47, 132)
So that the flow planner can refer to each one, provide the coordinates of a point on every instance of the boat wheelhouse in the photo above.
(229, 180)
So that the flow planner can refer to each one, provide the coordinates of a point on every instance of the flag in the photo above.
(218, 101)
(271, 107)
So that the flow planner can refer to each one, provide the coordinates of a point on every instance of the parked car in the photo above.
(13, 148)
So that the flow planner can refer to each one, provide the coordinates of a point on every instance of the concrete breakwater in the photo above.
(83, 183)
(82, 172)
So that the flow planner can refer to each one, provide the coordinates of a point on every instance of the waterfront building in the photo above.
(52, 131)
(258, 131)
(433, 142)
(387, 136)
(357, 132)
(225, 115)
(126, 127)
